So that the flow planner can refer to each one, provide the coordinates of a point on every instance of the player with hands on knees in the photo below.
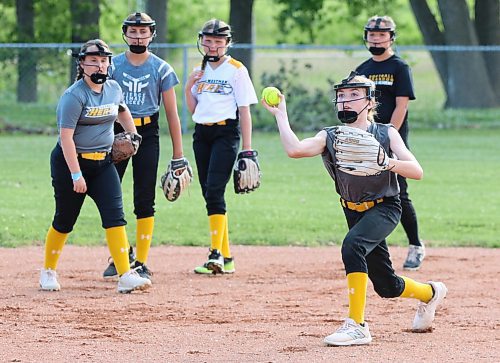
(219, 93)
(147, 81)
(363, 157)
(394, 84)
(81, 164)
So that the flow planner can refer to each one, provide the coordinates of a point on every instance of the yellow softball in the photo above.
(271, 96)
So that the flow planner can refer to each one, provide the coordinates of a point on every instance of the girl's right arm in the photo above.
(294, 147)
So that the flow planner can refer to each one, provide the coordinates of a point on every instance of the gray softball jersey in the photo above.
(143, 85)
(90, 114)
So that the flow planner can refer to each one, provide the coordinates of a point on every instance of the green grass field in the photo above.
(457, 202)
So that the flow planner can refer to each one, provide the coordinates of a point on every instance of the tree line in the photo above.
(470, 78)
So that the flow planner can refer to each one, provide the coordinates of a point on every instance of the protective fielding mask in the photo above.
(137, 49)
(347, 117)
(377, 50)
(98, 78)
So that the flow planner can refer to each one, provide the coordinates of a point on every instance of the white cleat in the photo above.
(48, 280)
(350, 333)
(131, 281)
(426, 312)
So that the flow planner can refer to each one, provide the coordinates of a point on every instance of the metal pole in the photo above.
(184, 112)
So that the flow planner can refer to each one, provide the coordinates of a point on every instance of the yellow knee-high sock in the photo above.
(417, 290)
(226, 252)
(216, 230)
(118, 248)
(54, 243)
(144, 236)
(357, 283)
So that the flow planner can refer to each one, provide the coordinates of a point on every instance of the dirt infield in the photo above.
(278, 307)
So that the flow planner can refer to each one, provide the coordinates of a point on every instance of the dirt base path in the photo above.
(278, 307)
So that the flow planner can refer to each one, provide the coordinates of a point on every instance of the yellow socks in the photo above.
(54, 243)
(357, 283)
(118, 248)
(226, 252)
(217, 222)
(144, 236)
(417, 290)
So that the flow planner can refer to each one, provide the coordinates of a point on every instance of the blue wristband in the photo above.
(76, 176)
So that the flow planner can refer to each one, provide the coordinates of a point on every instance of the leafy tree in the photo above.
(27, 61)
(479, 88)
(241, 20)
(84, 25)
(454, 27)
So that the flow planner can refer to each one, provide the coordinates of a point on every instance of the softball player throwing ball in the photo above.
(358, 156)
(146, 82)
(219, 94)
(392, 77)
(81, 164)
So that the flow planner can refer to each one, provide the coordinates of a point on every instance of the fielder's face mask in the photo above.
(217, 31)
(350, 116)
(96, 77)
(375, 50)
(136, 48)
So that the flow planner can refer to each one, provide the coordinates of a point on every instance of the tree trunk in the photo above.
(487, 22)
(84, 25)
(464, 91)
(157, 9)
(27, 58)
(241, 20)
(432, 36)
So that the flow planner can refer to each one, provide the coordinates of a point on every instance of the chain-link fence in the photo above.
(35, 75)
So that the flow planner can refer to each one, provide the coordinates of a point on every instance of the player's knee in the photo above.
(351, 250)
(387, 289)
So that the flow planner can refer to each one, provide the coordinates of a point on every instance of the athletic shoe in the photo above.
(110, 272)
(350, 333)
(143, 270)
(215, 262)
(426, 311)
(228, 267)
(416, 255)
(48, 280)
(131, 281)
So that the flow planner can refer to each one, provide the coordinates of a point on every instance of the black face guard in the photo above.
(224, 32)
(97, 78)
(378, 28)
(346, 83)
(135, 48)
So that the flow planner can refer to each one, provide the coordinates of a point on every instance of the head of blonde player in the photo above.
(379, 34)
(353, 95)
(214, 40)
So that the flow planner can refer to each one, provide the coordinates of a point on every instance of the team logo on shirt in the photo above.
(216, 86)
(99, 111)
(382, 79)
(132, 92)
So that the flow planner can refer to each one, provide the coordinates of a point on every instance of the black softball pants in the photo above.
(145, 169)
(215, 150)
(364, 248)
(103, 186)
